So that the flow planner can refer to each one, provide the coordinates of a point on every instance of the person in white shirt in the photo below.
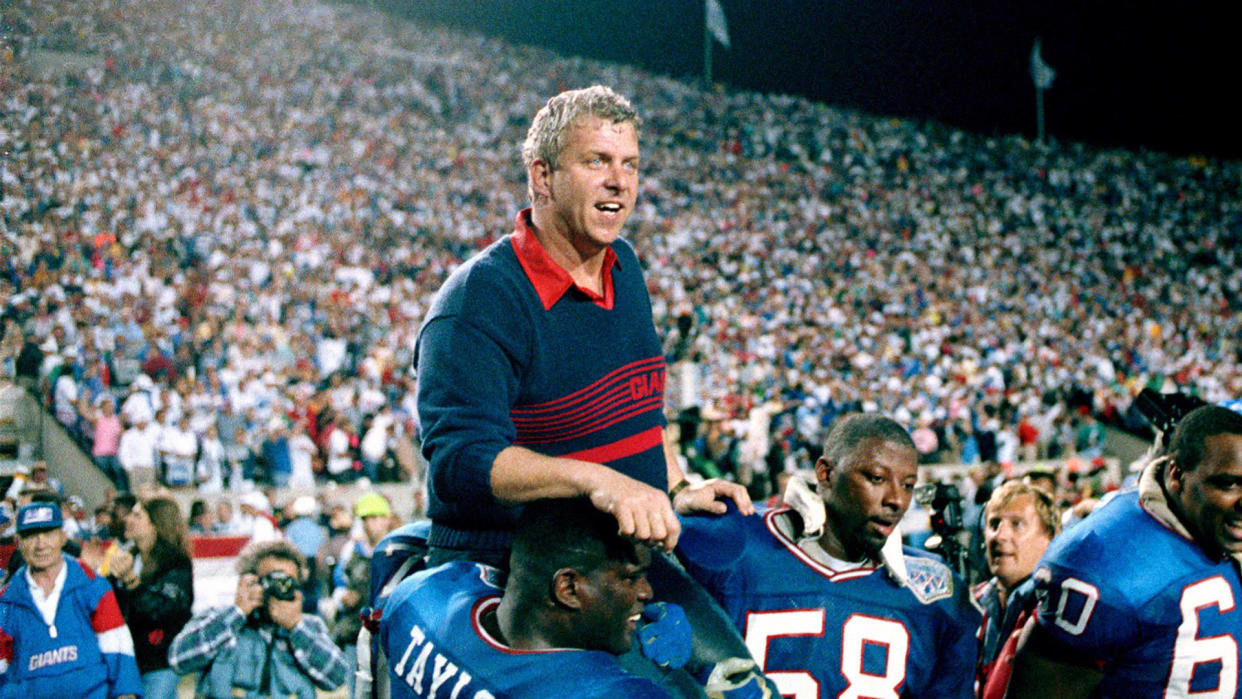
(209, 470)
(141, 402)
(178, 447)
(302, 452)
(256, 519)
(137, 452)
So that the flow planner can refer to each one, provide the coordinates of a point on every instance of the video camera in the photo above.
(944, 505)
(1165, 410)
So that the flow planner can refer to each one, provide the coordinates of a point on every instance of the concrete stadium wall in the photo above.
(39, 436)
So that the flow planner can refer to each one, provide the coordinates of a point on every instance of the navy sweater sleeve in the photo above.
(470, 351)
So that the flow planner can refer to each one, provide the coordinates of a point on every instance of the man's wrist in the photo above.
(677, 488)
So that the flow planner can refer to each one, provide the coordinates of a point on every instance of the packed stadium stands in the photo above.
(252, 203)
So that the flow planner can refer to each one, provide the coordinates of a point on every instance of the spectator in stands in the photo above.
(29, 360)
(351, 577)
(255, 519)
(41, 479)
(304, 531)
(178, 448)
(106, 430)
(55, 602)
(262, 645)
(374, 446)
(155, 588)
(210, 468)
(202, 518)
(137, 452)
(1019, 522)
(302, 453)
(141, 402)
(227, 522)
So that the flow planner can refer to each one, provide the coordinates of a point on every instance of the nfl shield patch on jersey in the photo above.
(929, 580)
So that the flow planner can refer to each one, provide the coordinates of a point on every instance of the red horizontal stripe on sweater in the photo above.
(620, 449)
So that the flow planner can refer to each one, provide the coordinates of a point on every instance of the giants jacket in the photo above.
(85, 653)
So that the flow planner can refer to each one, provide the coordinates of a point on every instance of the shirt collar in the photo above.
(550, 280)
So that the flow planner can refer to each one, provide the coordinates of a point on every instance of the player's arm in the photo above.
(1044, 669)
(520, 475)
(707, 496)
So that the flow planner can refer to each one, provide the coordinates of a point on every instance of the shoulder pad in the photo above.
(930, 580)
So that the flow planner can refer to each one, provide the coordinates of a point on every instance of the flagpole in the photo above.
(707, 48)
(1042, 75)
(1039, 113)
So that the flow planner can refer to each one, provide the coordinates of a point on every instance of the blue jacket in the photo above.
(89, 655)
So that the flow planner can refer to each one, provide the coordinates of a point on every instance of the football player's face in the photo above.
(1015, 540)
(593, 187)
(866, 495)
(1211, 495)
(616, 594)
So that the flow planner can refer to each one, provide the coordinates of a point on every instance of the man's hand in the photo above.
(286, 613)
(249, 594)
(122, 568)
(708, 497)
(643, 513)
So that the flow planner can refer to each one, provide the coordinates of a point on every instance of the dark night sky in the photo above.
(1139, 74)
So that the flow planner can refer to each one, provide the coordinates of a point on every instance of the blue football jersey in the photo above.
(823, 633)
(1145, 603)
(437, 648)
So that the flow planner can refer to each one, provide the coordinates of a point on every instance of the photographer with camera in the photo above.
(262, 645)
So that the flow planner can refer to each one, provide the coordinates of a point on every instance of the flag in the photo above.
(716, 23)
(1041, 72)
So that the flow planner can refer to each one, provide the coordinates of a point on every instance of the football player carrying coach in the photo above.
(61, 631)
(574, 593)
(1142, 598)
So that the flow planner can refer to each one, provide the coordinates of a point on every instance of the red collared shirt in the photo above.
(550, 280)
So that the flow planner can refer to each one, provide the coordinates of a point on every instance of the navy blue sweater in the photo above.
(511, 354)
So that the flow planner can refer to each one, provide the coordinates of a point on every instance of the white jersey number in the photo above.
(1089, 594)
(1190, 650)
(856, 633)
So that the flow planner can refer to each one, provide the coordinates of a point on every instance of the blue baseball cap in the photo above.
(38, 516)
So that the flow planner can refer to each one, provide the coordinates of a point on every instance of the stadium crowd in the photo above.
(253, 206)
(219, 239)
